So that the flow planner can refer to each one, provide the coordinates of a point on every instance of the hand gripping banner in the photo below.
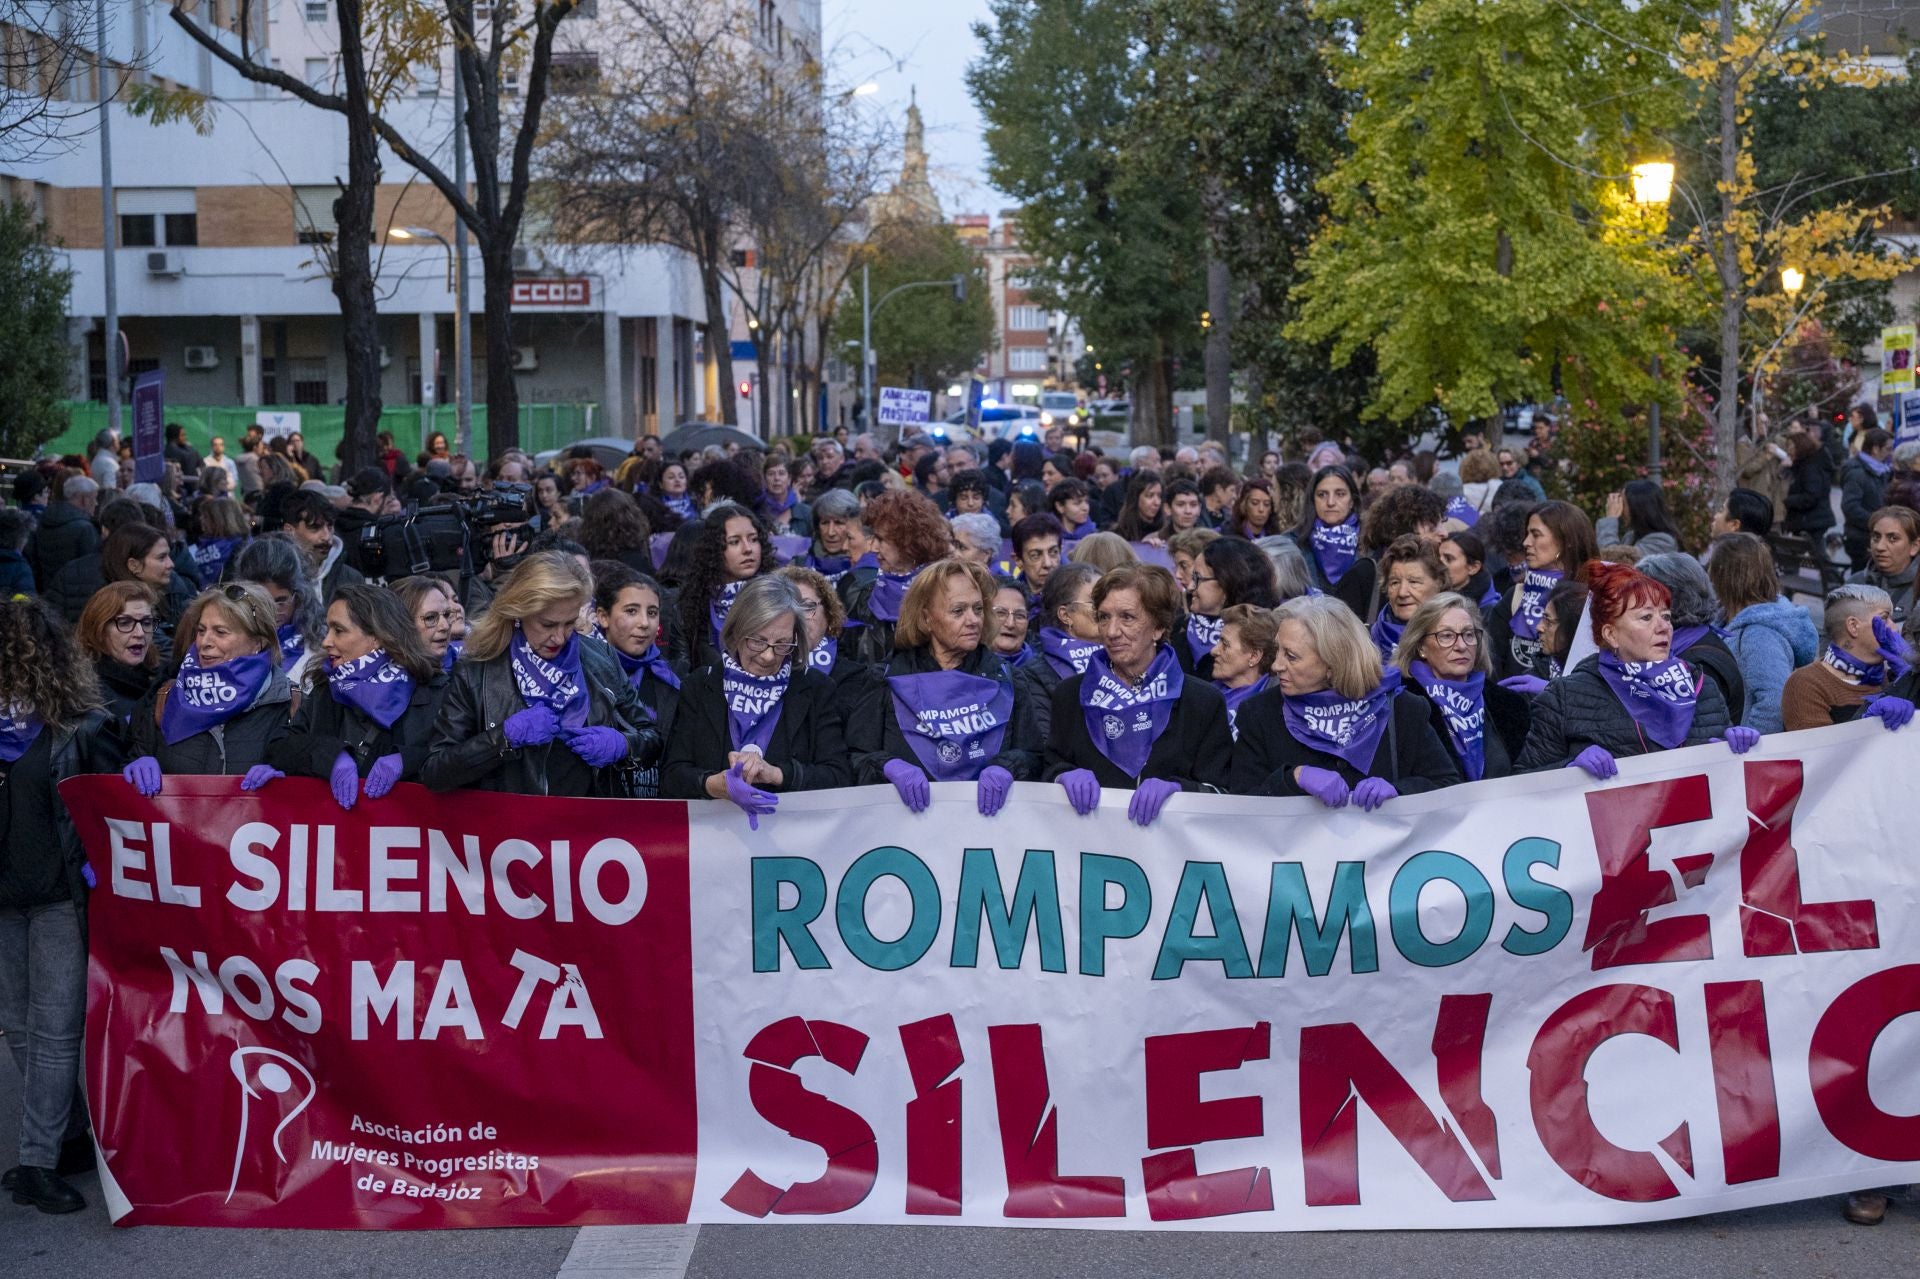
(1529, 1002)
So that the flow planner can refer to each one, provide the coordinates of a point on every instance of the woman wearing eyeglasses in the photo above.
(952, 710)
(1443, 657)
(532, 708)
(227, 702)
(372, 716)
(758, 722)
(1228, 571)
(429, 601)
(51, 728)
(116, 629)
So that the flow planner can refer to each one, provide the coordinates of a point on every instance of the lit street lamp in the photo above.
(462, 332)
(1792, 279)
(1653, 188)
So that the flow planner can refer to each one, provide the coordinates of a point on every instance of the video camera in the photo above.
(455, 537)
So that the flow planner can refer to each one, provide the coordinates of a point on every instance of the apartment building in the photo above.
(1036, 348)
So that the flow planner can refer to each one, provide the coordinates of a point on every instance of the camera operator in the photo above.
(369, 496)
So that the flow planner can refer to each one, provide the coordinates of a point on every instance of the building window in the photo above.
(137, 231)
(1027, 319)
(426, 81)
(316, 10)
(313, 215)
(309, 381)
(1026, 359)
(182, 229)
(320, 74)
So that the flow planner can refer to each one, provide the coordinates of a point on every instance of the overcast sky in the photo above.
(903, 45)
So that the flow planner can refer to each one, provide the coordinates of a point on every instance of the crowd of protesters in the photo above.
(735, 625)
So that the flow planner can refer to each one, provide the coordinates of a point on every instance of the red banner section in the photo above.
(435, 1010)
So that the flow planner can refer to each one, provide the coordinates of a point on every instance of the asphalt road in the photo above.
(1792, 1241)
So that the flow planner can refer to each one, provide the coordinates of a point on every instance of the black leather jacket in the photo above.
(469, 747)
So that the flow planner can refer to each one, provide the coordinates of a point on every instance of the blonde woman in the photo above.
(1446, 659)
(531, 708)
(1335, 725)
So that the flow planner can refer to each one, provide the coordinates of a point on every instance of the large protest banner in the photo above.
(1536, 1001)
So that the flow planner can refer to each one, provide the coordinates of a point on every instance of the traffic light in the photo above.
(960, 287)
(746, 388)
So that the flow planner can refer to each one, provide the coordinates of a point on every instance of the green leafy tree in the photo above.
(1476, 238)
(1115, 227)
(33, 333)
(924, 338)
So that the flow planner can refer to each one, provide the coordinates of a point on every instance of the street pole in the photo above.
(462, 316)
(866, 352)
(109, 237)
(1653, 424)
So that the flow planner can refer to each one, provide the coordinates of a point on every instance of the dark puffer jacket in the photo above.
(228, 749)
(323, 727)
(1581, 711)
(65, 534)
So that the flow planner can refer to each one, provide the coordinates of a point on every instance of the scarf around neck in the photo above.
(1851, 668)
(889, 592)
(1235, 696)
(1347, 727)
(560, 683)
(753, 704)
(1336, 546)
(1531, 608)
(1125, 720)
(1067, 655)
(1660, 696)
(651, 664)
(955, 722)
(372, 684)
(205, 697)
(1386, 632)
(1202, 634)
(18, 729)
(1463, 705)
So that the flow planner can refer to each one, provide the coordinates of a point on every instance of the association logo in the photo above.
(263, 1072)
(949, 752)
(1113, 727)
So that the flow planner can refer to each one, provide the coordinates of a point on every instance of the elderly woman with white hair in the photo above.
(1335, 726)
(1694, 607)
(976, 539)
(759, 722)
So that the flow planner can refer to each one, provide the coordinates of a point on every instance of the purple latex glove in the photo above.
(1892, 647)
(910, 782)
(257, 777)
(1323, 784)
(86, 873)
(1082, 788)
(995, 783)
(143, 775)
(1531, 685)
(1149, 798)
(753, 801)
(344, 780)
(1740, 739)
(1373, 792)
(597, 745)
(381, 777)
(1597, 762)
(1894, 712)
(532, 726)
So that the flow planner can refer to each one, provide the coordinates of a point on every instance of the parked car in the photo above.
(1004, 421)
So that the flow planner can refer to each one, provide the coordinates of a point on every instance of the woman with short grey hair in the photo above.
(759, 721)
(836, 520)
(976, 538)
(1694, 609)
(1292, 577)
(274, 563)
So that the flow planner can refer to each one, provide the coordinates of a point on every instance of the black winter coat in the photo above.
(323, 727)
(808, 746)
(91, 744)
(1510, 654)
(1410, 755)
(1357, 585)
(123, 686)
(1711, 654)
(1195, 749)
(64, 535)
(228, 749)
(1508, 716)
(1810, 494)
(1581, 711)
(873, 638)
(1022, 748)
(468, 746)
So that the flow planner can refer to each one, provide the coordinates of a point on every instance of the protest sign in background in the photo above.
(1528, 1002)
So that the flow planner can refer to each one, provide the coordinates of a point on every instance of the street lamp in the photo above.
(958, 284)
(1653, 188)
(1792, 279)
(462, 332)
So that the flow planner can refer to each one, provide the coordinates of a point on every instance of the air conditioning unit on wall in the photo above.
(164, 262)
(525, 359)
(202, 357)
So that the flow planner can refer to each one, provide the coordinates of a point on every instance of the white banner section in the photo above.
(1530, 1002)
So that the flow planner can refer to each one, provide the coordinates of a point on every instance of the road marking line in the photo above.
(642, 1252)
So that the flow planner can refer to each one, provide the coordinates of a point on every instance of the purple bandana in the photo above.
(1491, 597)
(1202, 634)
(1335, 546)
(1459, 508)
(1235, 696)
(1349, 727)
(1125, 720)
(18, 727)
(1685, 637)
(954, 721)
(206, 697)
(292, 644)
(824, 655)
(1084, 528)
(210, 556)
(1531, 609)
(829, 566)
(889, 591)
(753, 704)
(790, 548)
(1386, 632)
(452, 655)
(722, 605)
(651, 664)
(1660, 696)
(680, 505)
(1463, 704)
(1018, 658)
(559, 683)
(1067, 655)
(1872, 674)
(372, 685)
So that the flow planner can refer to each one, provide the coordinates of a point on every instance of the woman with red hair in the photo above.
(1633, 697)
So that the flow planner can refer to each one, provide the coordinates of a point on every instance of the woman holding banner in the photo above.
(734, 548)
(1443, 658)
(1135, 719)
(949, 709)
(1633, 697)
(372, 716)
(1229, 571)
(626, 605)
(1335, 726)
(1559, 540)
(759, 722)
(227, 703)
(532, 708)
